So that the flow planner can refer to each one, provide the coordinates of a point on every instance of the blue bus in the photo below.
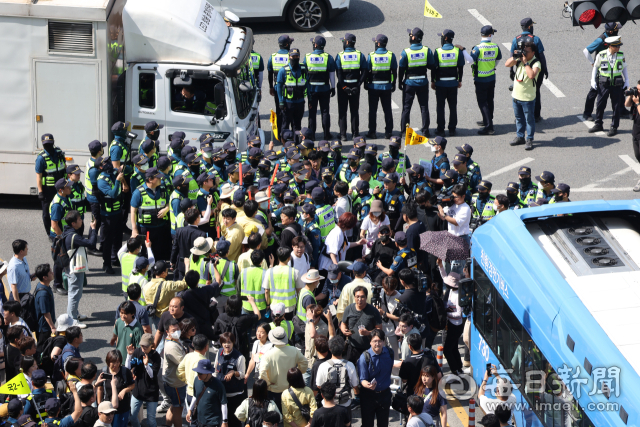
(556, 307)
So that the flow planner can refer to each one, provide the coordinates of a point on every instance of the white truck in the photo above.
(72, 68)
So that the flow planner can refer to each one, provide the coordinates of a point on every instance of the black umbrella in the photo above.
(444, 245)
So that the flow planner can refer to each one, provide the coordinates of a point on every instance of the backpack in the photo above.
(308, 248)
(66, 399)
(28, 310)
(438, 314)
(58, 366)
(231, 326)
(60, 254)
(43, 357)
(256, 414)
(338, 375)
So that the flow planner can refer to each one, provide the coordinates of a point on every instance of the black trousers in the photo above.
(538, 107)
(450, 351)
(126, 206)
(49, 194)
(294, 111)
(408, 94)
(385, 101)
(279, 114)
(232, 404)
(375, 405)
(160, 238)
(606, 91)
(450, 96)
(591, 99)
(57, 269)
(484, 95)
(112, 229)
(321, 98)
(95, 212)
(353, 102)
(636, 149)
(277, 399)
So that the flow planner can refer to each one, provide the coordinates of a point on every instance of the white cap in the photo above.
(65, 322)
(277, 309)
(614, 41)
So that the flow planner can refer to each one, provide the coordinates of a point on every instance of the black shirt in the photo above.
(413, 235)
(338, 416)
(243, 324)
(385, 253)
(209, 411)
(146, 388)
(125, 379)
(635, 130)
(412, 365)
(12, 366)
(414, 300)
(314, 372)
(88, 418)
(287, 236)
(196, 304)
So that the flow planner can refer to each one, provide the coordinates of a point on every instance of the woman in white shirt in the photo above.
(260, 347)
(388, 306)
(455, 324)
(371, 225)
(336, 241)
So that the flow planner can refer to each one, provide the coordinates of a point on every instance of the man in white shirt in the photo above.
(299, 259)
(339, 371)
(458, 217)
(502, 392)
(343, 201)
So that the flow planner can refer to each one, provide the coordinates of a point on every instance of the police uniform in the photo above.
(149, 202)
(447, 76)
(467, 150)
(439, 164)
(91, 185)
(382, 69)
(345, 172)
(51, 164)
(418, 186)
(486, 56)
(403, 162)
(312, 232)
(469, 178)
(184, 169)
(611, 70)
(392, 200)
(320, 68)
(406, 258)
(482, 207)
(595, 48)
(258, 68)
(111, 204)
(414, 62)
(351, 67)
(275, 62)
(78, 198)
(527, 189)
(540, 194)
(515, 202)
(292, 90)
(539, 52)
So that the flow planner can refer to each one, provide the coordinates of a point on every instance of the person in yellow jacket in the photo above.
(167, 292)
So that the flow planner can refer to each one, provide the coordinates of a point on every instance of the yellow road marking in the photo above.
(460, 412)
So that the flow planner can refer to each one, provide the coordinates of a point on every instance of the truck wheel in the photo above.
(307, 15)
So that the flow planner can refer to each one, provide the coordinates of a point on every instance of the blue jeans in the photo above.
(306, 376)
(75, 282)
(136, 407)
(525, 118)
(120, 420)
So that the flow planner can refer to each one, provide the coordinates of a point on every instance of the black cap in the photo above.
(524, 171)
(311, 185)
(255, 152)
(485, 186)
(416, 168)
(439, 140)
(176, 143)
(283, 176)
(371, 149)
(229, 146)
(254, 141)
(319, 40)
(151, 126)
(286, 135)
(152, 173)
(459, 159)
(264, 164)
(185, 204)
(363, 185)
(395, 141)
(140, 159)
(95, 145)
(263, 184)
(526, 22)
(207, 145)
(365, 168)
(612, 26)
(400, 237)
(381, 38)
(279, 188)
(450, 174)
(317, 193)
(327, 172)
(191, 158)
(465, 149)
(219, 153)
(203, 177)
(447, 33)
(148, 145)
(512, 187)
(546, 176)
(294, 52)
(307, 133)
(349, 37)
(309, 208)
(62, 183)
(120, 126)
(285, 39)
(353, 154)
(416, 32)
(487, 30)
(561, 188)
(181, 135)
(388, 162)
(179, 180)
(293, 154)
(336, 143)
(47, 138)
(307, 144)
(163, 162)
(290, 195)
(391, 177)
(74, 169)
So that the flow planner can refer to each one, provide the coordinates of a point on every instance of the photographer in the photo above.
(411, 298)
(458, 217)
(524, 91)
(633, 102)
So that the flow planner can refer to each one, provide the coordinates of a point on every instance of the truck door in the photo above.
(146, 101)
(67, 102)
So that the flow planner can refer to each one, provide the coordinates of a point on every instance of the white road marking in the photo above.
(394, 106)
(325, 32)
(510, 167)
(479, 17)
(554, 90)
(632, 163)
(507, 45)
(603, 190)
(593, 185)
(589, 125)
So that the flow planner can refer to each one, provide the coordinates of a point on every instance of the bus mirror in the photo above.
(218, 95)
(465, 292)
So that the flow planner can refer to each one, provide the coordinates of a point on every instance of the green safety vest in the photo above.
(53, 171)
(88, 186)
(417, 63)
(41, 399)
(201, 268)
(251, 285)
(381, 68)
(282, 287)
(228, 281)
(180, 220)
(447, 64)
(301, 311)
(216, 199)
(287, 325)
(153, 159)
(350, 64)
(295, 89)
(342, 174)
(77, 199)
(148, 211)
(487, 211)
(362, 205)
(172, 216)
(486, 63)
(66, 206)
(136, 278)
(127, 262)
(279, 60)
(605, 66)
(326, 221)
(317, 68)
(401, 162)
(125, 150)
(255, 60)
(540, 195)
(108, 203)
(193, 184)
(525, 196)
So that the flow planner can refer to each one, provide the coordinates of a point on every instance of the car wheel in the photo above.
(307, 15)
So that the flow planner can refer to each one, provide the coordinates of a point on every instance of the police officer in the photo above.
(311, 231)
(258, 71)
(325, 214)
(547, 183)
(515, 202)
(527, 33)
(393, 198)
(119, 150)
(264, 171)
(388, 166)
(152, 129)
(351, 67)
(206, 154)
(175, 149)
(439, 162)
(218, 157)
(274, 64)
(382, 73)
(405, 258)
(328, 183)
(321, 68)
(141, 164)
(365, 173)
(371, 157)
(50, 167)
(561, 193)
(402, 161)
(59, 207)
(597, 46)
(77, 197)
(467, 150)
(175, 152)
(446, 79)
(527, 188)
(349, 170)
(96, 150)
(292, 90)
(190, 167)
(231, 150)
(251, 143)
(179, 193)
(486, 56)
(418, 183)
(334, 157)
(611, 69)
(414, 62)
(362, 203)
(482, 202)
(110, 182)
(255, 154)
(300, 175)
(469, 177)
(207, 196)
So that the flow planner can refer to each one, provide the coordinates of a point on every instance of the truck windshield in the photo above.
(196, 98)
(244, 99)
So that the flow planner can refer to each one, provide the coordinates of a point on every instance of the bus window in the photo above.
(483, 315)
(536, 370)
(509, 346)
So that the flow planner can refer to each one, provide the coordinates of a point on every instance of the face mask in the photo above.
(433, 148)
(353, 163)
(334, 281)
(483, 195)
(294, 62)
(248, 179)
(107, 167)
(384, 238)
(531, 30)
(207, 155)
(370, 158)
(175, 335)
(155, 136)
(49, 148)
(328, 179)
(442, 41)
(512, 197)
(393, 150)
(495, 207)
(288, 204)
(195, 169)
(525, 182)
(344, 45)
(254, 163)
(264, 205)
(143, 167)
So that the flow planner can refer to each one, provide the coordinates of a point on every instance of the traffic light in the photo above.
(596, 12)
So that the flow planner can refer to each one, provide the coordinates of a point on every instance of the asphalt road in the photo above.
(595, 166)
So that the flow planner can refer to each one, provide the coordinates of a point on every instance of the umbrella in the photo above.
(444, 245)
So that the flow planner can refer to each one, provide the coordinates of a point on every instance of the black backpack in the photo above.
(28, 310)
(438, 314)
(43, 356)
(66, 399)
(231, 326)
(256, 414)
(59, 252)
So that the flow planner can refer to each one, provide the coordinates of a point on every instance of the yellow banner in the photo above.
(429, 11)
(17, 385)
(408, 136)
(417, 140)
(274, 124)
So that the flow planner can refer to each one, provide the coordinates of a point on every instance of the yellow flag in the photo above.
(17, 385)
(408, 136)
(417, 140)
(274, 124)
(429, 11)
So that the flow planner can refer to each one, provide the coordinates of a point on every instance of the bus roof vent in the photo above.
(570, 343)
(71, 37)
(587, 366)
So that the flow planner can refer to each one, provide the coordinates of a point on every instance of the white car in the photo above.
(303, 15)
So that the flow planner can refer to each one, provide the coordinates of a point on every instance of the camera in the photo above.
(419, 318)
(445, 199)
(423, 282)
(475, 223)
(631, 91)
(376, 300)
(519, 50)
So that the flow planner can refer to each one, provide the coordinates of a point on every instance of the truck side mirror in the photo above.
(245, 86)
